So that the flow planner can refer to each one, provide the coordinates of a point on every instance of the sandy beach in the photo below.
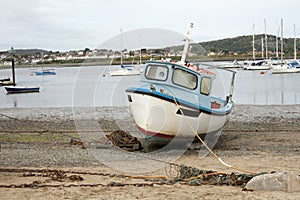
(32, 141)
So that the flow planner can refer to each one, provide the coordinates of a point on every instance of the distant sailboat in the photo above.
(283, 68)
(12, 88)
(255, 65)
(126, 70)
(45, 72)
(295, 63)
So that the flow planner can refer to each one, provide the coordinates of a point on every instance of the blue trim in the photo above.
(45, 73)
(223, 111)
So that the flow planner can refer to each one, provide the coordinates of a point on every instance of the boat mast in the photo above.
(277, 53)
(253, 42)
(121, 47)
(262, 48)
(295, 43)
(140, 50)
(13, 65)
(281, 40)
(266, 38)
(186, 45)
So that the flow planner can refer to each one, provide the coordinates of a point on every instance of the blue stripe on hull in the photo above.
(226, 110)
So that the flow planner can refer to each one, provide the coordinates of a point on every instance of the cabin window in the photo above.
(157, 72)
(185, 79)
(205, 85)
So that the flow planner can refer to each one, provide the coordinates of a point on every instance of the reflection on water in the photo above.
(267, 89)
(86, 86)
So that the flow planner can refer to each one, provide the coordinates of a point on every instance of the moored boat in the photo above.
(11, 87)
(126, 71)
(45, 72)
(284, 69)
(234, 64)
(21, 89)
(6, 82)
(257, 65)
(4, 79)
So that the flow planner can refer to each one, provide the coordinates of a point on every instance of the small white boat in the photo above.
(258, 65)
(233, 64)
(284, 69)
(126, 71)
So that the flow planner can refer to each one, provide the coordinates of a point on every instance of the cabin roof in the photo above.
(201, 72)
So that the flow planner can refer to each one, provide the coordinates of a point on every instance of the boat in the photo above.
(256, 65)
(295, 64)
(126, 71)
(284, 68)
(45, 72)
(4, 79)
(21, 89)
(11, 87)
(234, 64)
(170, 94)
(6, 83)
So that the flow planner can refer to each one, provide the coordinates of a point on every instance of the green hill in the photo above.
(241, 46)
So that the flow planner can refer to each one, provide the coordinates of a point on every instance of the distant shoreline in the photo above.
(104, 63)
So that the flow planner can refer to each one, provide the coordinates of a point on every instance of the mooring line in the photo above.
(206, 146)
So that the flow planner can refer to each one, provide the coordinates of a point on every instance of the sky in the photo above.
(62, 25)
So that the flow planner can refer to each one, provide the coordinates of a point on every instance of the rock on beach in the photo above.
(280, 181)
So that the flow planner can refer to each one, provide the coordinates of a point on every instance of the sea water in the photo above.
(92, 86)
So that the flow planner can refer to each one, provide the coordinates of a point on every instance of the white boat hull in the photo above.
(284, 70)
(125, 72)
(257, 68)
(155, 116)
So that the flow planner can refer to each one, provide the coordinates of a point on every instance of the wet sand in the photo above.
(257, 138)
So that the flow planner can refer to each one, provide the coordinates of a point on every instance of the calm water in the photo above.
(86, 86)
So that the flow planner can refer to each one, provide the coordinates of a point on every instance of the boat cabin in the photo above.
(187, 85)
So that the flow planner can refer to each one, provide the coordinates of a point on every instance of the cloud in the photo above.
(144, 38)
(76, 24)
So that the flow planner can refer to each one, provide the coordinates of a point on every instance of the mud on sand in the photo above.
(258, 138)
